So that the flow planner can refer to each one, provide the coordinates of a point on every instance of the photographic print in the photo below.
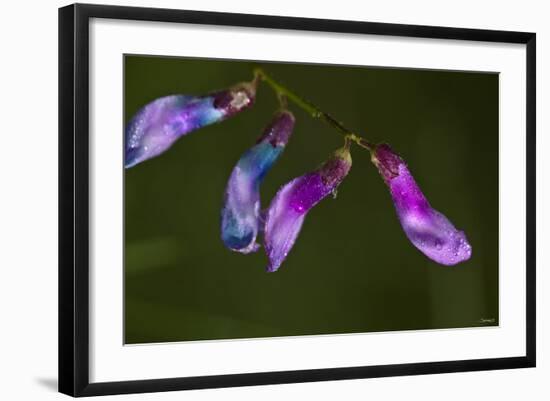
(235, 211)
(283, 199)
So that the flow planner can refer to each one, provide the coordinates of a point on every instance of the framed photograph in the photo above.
(250, 199)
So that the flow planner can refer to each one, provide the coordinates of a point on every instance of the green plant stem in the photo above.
(311, 109)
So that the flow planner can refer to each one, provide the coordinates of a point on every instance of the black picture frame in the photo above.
(74, 198)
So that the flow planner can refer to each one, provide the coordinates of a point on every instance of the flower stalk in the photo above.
(310, 108)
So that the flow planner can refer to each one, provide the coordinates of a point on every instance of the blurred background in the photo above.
(352, 268)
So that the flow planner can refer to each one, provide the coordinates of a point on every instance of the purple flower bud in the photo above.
(430, 231)
(290, 205)
(155, 127)
(241, 211)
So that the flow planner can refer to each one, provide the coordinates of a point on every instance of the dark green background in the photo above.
(352, 269)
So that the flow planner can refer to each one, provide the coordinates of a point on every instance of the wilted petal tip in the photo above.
(279, 130)
(387, 161)
(239, 97)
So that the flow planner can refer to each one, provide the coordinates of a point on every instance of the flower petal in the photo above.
(290, 205)
(429, 230)
(241, 211)
(155, 127)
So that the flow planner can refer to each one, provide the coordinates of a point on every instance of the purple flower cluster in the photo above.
(158, 125)
(281, 223)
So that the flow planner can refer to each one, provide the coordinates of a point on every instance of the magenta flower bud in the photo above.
(429, 230)
(241, 211)
(290, 205)
(156, 127)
